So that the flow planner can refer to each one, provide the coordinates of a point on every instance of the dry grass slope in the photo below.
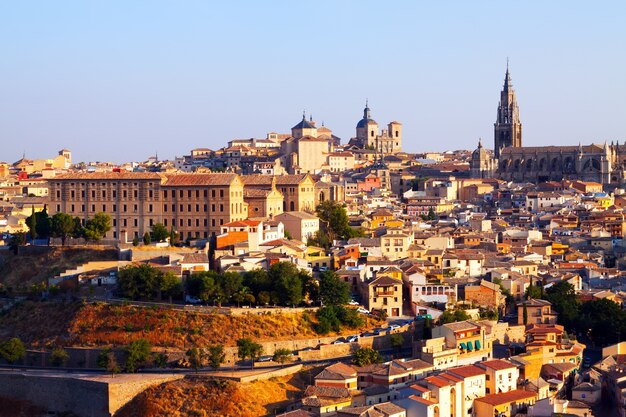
(93, 325)
(197, 396)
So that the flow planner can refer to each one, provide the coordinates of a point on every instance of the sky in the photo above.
(121, 80)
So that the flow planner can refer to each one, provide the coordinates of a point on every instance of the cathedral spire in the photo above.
(507, 128)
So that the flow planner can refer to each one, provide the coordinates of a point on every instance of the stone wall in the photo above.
(98, 396)
(504, 333)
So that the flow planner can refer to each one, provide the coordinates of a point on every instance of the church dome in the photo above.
(480, 153)
(367, 118)
(304, 124)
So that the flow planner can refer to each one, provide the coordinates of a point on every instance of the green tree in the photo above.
(137, 353)
(202, 285)
(257, 280)
(31, 222)
(59, 357)
(525, 314)
(282, 355)
(333, 290)
(106, 359)
(454, 316)
(397, 341)
(431, 214)
(135, 241)
(170, 286)
(97, 227)
(17, 239)
(173, 236)
(335, 220)
(12, 350)
(215, 356)
(230, 283)
(246, 348)
(287, 283)
(196, 358)
(79, 230)
(62, 226)
(159, 232)
(146, 238)
(263, 298)
(310, 287)
(366, 356)
(139, 281)
(533, 291)
(562, 295)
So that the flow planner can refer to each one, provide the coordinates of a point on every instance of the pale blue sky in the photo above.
(117, 80)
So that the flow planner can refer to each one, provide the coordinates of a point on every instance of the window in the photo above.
(221, 193)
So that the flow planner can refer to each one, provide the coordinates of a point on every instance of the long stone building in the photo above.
(194, 205)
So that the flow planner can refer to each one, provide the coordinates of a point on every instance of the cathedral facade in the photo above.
(513, 162)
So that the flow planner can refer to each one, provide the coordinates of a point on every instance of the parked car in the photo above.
(393, 327)
(339, 341)
(323, 268)
(362, 310)
(353, 339)
(192, 300)
(353, 303)
(265, 358)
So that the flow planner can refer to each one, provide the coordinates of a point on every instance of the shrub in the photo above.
(59, 357)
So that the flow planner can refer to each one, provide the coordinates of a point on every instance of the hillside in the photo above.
(20, 271)
(197, 396)
(76, 324)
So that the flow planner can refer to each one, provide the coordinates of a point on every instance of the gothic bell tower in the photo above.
(507, 128)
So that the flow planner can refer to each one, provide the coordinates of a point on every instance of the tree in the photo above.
(335, 220)
(59, 356)
(263, 298)
(17, 239)
(397, 341)
(454, 316)
(231, 283)
(12, 350)
(195, 357)
(137, 353)
(246, 348)
(62, 226)
(215, 356)
(286, 282)
(170, 286)
(202, 285)
(146, 238)
(107, 360)
(31, 222)
(173, 236)
(282, 355)
(97, 227)
(139, 281)
(159, 232)
(333, 290)
(431, 214)
(135, 241)
(366, 356)
(533, 291)
(562, 295)
(525, 315)
(79, 230)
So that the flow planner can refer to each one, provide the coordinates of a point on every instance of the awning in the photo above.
(463, 346)
(477, 344)
(469, 346)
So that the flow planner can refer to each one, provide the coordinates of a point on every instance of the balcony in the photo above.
(384, 293)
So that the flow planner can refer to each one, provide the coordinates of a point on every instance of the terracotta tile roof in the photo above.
(467, 371)
(497, 364)
(181, 180)
(507, 397)
(255, 193)
(195, 258)
(422, 400)
(97, 176)
(337, 371)
(437, 381)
